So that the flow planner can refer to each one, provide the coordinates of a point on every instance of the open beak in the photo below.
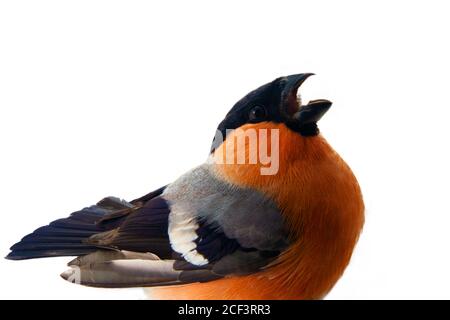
(291, 104)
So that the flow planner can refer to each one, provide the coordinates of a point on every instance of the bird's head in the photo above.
(279, 102)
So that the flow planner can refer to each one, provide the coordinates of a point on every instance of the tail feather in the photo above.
(62, 232)
(33, 238)
(23, 246)
(66, 237)
(31, 254)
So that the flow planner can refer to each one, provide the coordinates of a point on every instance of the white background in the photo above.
(117, 98)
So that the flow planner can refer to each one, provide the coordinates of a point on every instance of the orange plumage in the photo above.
(322, 204)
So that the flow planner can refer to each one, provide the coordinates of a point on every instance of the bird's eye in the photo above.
(257, 113)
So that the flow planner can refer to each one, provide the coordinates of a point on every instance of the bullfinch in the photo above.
(274, 213)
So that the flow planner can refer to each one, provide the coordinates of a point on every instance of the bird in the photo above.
(242, 225)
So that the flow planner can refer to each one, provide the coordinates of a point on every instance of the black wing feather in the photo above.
(67, 237)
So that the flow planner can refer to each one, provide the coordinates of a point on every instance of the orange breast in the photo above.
(322, 204)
